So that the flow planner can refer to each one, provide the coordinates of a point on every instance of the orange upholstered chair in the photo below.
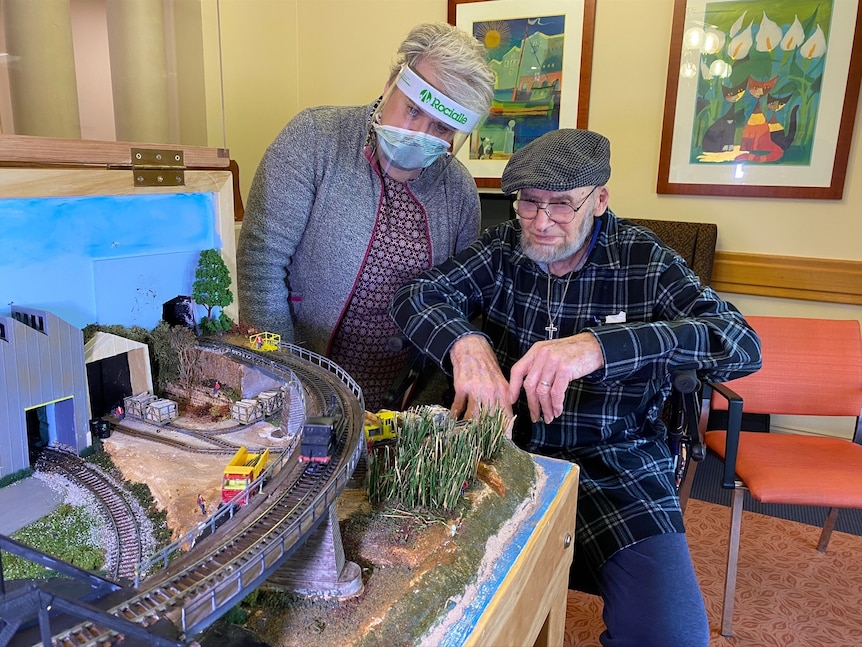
(811, 367)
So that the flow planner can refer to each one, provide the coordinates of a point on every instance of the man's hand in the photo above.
(547, 368)
(479, 382)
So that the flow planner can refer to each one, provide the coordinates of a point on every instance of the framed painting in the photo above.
(761, 98)
(541, 55)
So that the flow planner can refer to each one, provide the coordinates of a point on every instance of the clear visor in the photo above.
(415, 125)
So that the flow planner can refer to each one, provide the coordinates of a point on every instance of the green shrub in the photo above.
(64, 534)
(236, 616)
(431, 463)
(103, 460)
(14, 477)
(231, 393)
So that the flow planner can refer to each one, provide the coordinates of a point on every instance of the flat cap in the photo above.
(560, 160)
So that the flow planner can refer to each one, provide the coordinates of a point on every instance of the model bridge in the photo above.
(182, 592)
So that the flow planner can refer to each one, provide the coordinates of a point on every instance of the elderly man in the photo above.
(585, 317)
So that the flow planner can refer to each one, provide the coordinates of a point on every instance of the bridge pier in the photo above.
(318, 567)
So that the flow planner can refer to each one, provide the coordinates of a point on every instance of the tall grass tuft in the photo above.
(434, 459)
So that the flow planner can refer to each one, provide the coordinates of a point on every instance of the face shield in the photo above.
(415, 125)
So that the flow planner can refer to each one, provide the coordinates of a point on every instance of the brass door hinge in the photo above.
(158, 167)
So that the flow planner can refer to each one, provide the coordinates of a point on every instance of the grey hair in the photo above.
(457, 59)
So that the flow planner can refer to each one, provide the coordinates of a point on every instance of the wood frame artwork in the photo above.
(761, 98)
(539, 87)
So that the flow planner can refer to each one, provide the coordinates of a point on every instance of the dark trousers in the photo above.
(652, 597)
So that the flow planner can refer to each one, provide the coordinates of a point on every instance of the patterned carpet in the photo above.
(787, 595)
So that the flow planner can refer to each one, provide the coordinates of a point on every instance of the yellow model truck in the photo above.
(240, 472)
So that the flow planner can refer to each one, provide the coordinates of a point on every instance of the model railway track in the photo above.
(282, 366)
(212, 437)
(123, 556)
(196, 588)
(218, 446)
(221, 569)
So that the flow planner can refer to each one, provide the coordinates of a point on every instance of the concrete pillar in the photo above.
(318, 567)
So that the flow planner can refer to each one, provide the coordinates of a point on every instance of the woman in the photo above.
(348, 203)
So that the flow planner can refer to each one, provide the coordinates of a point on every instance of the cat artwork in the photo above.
(721, 135)
(757, 141)
(781, 137)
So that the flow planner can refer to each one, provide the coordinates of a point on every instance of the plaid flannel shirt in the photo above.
(611, 423)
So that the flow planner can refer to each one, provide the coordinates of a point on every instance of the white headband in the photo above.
(435, 102)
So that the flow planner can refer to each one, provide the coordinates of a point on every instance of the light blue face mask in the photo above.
(407, 149)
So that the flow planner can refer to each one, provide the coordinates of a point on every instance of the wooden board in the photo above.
(19, 150)
(524, 603)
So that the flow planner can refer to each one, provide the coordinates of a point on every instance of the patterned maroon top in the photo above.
(399, 251)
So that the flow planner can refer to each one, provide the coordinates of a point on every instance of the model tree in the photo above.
(184, 343)
(211, 289)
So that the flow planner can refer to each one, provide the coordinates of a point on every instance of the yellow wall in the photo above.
(627, 103)
(283, 55)
(280, 56)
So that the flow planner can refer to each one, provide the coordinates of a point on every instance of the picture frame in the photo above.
(761, 98)
(557, 95)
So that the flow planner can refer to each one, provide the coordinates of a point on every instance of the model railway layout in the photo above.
(193, 589)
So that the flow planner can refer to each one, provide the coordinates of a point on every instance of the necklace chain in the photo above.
(551, 327)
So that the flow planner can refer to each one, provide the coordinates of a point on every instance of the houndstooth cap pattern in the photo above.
(560, 160)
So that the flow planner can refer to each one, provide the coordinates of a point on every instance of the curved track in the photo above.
(201, 585)
(124, 555)
(185, 439)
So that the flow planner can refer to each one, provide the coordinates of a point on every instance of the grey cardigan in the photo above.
(311, 211)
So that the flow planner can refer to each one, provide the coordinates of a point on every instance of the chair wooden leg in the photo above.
(828, 527)
(732, 560)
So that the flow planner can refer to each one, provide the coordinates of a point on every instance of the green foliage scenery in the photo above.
(211, 290)
(163, 358)
(432, 462)
(66, 532)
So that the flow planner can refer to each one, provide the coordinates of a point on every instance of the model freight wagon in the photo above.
(247, 411)
(240, 472)
(271, 401)
(137, 405)
(161, 411)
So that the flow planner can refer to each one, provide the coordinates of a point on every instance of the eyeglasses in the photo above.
(561, 213)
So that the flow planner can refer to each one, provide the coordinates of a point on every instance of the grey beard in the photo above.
(541, 254)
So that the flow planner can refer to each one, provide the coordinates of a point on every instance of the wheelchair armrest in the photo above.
(686, 407)
(397, 395)
(685, 381)
(734, 426)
